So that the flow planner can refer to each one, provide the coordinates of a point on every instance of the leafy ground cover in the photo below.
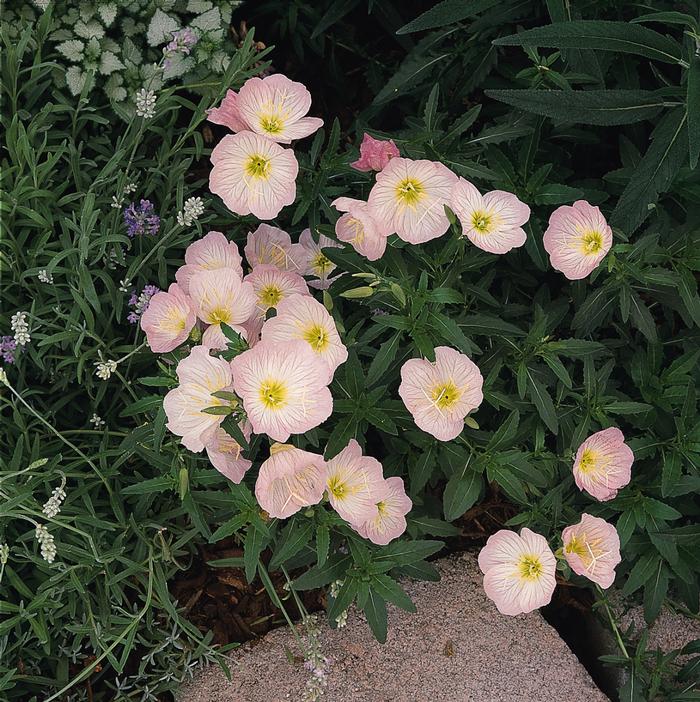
(121, 547)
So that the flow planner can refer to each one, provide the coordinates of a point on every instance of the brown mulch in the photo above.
(220, 600)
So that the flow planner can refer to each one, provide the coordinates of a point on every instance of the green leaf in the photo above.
(335, 568)
(655, 173)
(296, 534)
(420, 471)
(323, 541)
(391, 591)
(461, 492)
(543, 402)
(671, 472)
(505, 434)
(252, 548)
(627, 408)
(230, 527)
(406, 552)
(642, 570)
(693, 107)
(655, 592)
(344, 598)
(231, 426)
(334, 14)
(447, 12)
(599, 34)
(375, 611)
(604, 107)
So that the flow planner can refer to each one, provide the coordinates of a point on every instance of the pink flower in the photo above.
(492, 222)
(592, 549)
(283, 387)
(272, 285)
(168, 320)
(577, 239)
(211, 252)
(219, 296)
(354, 483)
(227, 114)
(603, 464)
(302, 317)
(214, 337)
(268, 244)
(519, 571)
(440, 395)
(393, 504)
(225, 453)
(200, 375)
(275, 107)
(359, 229)
(315, 261)
(253, 175)
(409, 198)
(289, 480)
(374, 154)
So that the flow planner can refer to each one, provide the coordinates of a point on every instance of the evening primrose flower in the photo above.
(375, 154)
(493, 222)
(359, 229)
(603, 464)
(315, 261)
(224, 453)
(519, 571)
(253, 175)
(354, 484)
(393, 504)
(219, 296)
(439, 395)
(283, 387)
(272, 285)
(289, 480)
(168, 319)
(592, 549)
(211, 252)
(200, 375)
(275, 107)
(409, 198)
(577, 239)
(304, 318)
(273, 246)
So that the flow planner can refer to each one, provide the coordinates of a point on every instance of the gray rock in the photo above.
(457, 648)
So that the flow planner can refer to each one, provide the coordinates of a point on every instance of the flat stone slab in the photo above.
(457, 648)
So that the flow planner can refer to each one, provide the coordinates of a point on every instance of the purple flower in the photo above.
(182, 42)
(140, 302)
(8, 346)
(142, 219)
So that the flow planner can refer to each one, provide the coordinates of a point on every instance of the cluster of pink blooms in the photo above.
(519, 570)
(280, 382)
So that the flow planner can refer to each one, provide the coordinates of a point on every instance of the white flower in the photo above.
(3, 377)
(191, 211)
(145, 103)
(46, 543)
(105, 369)
(45, 277)
(116, 202)
(20, 328)
(124, 284)
(97, 420)
(53, 505)
(129, 188)
(4, 553)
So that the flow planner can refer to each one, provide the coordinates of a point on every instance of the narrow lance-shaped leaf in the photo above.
(694, 110)
(605, 107)
(599, 34)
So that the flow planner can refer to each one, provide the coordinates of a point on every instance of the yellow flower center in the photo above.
(591, 242)
(317, 336)
(273, 394)
(321, 264)
(381, 506)
(445, 395)
(257, 166)
(272, 124)
(218, 315)
(359, 230)
(409, 192)
(270, 295)
(576, 545)
(530, 567)
(336, 486)
(589, 459)
(481, 221)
